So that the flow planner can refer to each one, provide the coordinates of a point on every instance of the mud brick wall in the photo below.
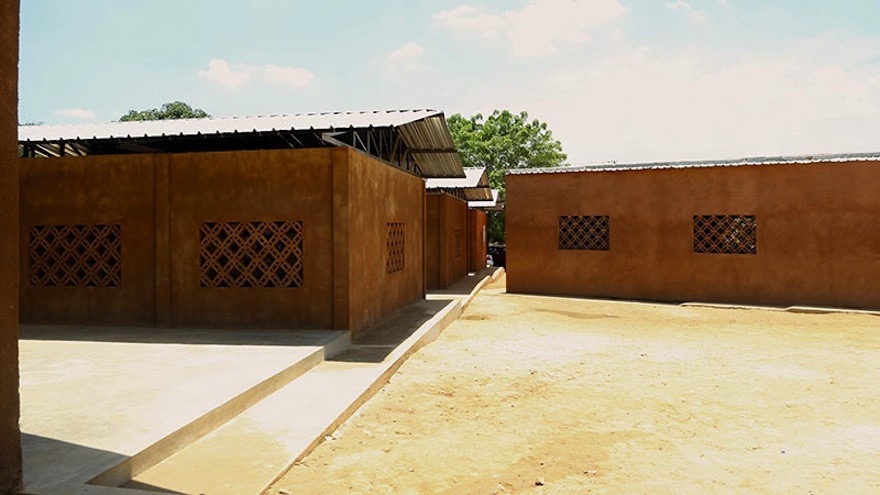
(816, 231)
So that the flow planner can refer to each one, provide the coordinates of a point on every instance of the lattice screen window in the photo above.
(584, 233)
(726, 234)
(75, 255)
(395, 242)
(251, 254)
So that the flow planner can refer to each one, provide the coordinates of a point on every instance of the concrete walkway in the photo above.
(467, 288)
(183, 412)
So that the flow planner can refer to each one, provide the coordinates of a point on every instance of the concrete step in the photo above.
(219, 415)
(248, 453)
(468, 287)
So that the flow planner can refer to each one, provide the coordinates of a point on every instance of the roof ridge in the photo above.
(729, 162)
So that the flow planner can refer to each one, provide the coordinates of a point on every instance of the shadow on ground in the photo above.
(61, 451)
(375, 346)
(203, 336)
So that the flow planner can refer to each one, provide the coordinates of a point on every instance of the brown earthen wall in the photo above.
(343, 199)
(380, 194)
(818, 234)
(10, 438)
(432, 241)
(103, 190)
(477, 240)
(453, 239)
(447, 227)
(160, 201)
(252, 186)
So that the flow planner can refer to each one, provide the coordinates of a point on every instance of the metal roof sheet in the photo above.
(473, 177)
(487, 205)
(474, 185)
(424, 131)
(214, 125)
(781, 160)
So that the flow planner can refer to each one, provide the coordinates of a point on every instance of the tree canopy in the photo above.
(173, 110)
(500, 142)
(504, 141)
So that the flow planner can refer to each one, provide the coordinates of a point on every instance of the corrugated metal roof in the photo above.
(781, 160)
(486, 205)
(424, 131)
(215, 125)
(431, 135)
(474, 185)
(474, 177)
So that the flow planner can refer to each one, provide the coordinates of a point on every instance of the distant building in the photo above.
(774, 231)
(455, 240)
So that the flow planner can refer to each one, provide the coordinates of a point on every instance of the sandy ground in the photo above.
(550, 395)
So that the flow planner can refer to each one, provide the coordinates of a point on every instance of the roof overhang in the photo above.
(490, 205)
(430, 143)
(427, 142)
(474, 186)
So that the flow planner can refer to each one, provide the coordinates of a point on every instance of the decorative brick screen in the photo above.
(395, 241)
(584, 233)
(75, 255)
(251, 254)
(726, 234)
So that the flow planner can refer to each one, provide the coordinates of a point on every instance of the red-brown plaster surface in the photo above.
(92, 190)
(380, 194)
(477, 240)
(818, 234)
(446, 240)
(343, 198)
(276, 185)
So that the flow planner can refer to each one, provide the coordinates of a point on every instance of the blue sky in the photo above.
(623, 80)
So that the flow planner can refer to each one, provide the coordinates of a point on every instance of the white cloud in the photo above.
(219, 71)
(538, 28)
(234, 76)
(692, 13)
(467, 18)
(819, 95)
(294, 77)
(406, 52)
(404, 57)
(75, 113)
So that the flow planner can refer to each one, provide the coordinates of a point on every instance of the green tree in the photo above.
(173, 110)
(501, 142)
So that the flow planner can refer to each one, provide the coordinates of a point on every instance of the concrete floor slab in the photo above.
(124, 398)
(247, 454)
(117, 407)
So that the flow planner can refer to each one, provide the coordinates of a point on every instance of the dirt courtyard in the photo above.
(550, 395)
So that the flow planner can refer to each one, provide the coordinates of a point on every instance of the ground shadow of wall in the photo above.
(375, 346)
(53, 458)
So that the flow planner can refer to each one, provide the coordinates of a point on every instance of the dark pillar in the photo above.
(10, 437)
